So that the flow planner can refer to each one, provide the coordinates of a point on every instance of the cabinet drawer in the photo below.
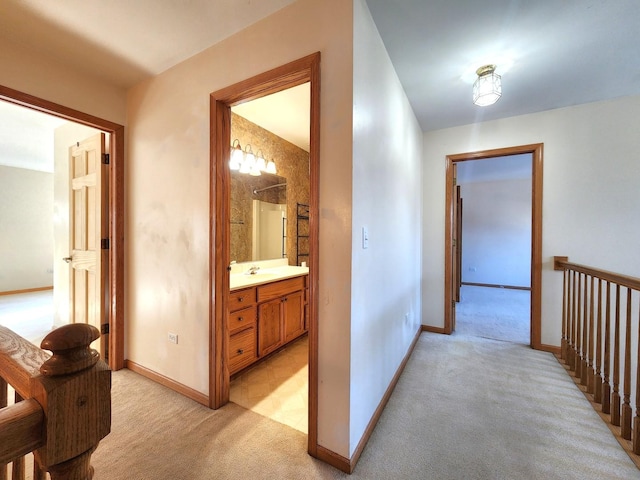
(242, 298)
(242, 349)
(242, 319)
(279, 289)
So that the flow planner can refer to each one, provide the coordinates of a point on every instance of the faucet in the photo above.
(253, 270)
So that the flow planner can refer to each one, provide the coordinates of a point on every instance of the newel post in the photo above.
(74, 390)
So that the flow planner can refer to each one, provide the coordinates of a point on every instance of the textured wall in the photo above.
(292, 165)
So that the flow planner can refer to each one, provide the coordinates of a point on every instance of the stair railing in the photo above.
(600, 339)
(63, 403)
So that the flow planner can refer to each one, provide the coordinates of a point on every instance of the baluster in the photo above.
(571, 359)
(17, 469)
(606, 385)
(626, 406)
(615, 396)
(636, 421)
(3, 403)
(565, 326)
(578, 302)
(591, 376)
(586, 336)
(598, 378)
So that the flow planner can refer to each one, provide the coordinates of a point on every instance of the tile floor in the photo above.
(278, 387)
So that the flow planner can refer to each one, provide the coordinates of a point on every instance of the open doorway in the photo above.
(494, 246)
(274, 302)
(453, 259)
(108, 241)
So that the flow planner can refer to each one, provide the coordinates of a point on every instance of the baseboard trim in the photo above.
(429, 328)
(26, 290)
(383, 403)
(548, 348)
(333, 459)
(493, 285)
(167, 382)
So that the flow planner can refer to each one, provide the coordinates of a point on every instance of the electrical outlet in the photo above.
(173, 338)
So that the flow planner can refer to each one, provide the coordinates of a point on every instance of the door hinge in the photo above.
(455, 180)
(104, 244)
(104, 329)
(105, 159)
(454, 243)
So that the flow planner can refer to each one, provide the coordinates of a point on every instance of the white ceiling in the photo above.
(550, 53)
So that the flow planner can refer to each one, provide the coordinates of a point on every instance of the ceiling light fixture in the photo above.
(487, 88)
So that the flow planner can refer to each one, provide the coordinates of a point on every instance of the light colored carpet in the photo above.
(496, 313)
(465, 408)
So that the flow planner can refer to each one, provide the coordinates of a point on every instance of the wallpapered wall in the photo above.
(292, 165)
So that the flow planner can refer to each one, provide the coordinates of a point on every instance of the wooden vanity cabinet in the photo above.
(268, 315)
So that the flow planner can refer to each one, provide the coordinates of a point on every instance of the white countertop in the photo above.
(240, 279)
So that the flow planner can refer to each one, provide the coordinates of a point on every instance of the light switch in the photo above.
(365, 237)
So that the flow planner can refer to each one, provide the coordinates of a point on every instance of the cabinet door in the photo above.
(293, 316)
(270, 335)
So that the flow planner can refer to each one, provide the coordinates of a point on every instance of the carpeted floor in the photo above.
(465, 408)
(495, 313)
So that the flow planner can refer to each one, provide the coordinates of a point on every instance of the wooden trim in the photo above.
(306, 69)
(536, 151)
(549, 348)
(167, 382)
(383, 403)
(429, 328)
(493, 285)
(116, 207)
(26, 290)
(333, 459)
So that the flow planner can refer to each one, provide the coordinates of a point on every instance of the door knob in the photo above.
(68, 259)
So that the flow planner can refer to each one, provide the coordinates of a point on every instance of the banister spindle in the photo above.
(626, 406)
(606, 382)
(636, 420)
(4, 397)
(591, 375)
(597, 396)
(565, 326)
(578, 302)
(585, 334)
(615, 396)
(571, 349)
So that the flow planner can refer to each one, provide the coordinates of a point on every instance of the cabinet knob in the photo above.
(240, 319)
(240, 299)
(240, 351)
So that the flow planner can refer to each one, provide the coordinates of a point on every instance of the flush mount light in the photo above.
(487, 88)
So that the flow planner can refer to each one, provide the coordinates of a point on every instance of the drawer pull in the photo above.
(240, 319)
(240, 299)
(240, 351)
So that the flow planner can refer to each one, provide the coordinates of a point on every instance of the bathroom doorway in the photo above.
(304, 70)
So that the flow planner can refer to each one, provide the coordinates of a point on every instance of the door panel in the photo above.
(88, 222)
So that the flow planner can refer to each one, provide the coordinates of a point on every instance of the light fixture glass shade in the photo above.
(271, 167)
(236, 156)
(487, 88)
(260, 162)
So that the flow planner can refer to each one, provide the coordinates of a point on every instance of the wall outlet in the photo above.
(172, 337)
(365, 237)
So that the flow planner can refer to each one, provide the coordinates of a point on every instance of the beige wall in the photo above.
(168, 200)
(590, 194)
(32, 72)
(26, 243)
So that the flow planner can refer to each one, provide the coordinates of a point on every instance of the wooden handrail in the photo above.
(562, 263)
(67, 410)
(599, 344)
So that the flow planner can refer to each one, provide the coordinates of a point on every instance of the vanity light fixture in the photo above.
(487, 88)
(245, 161)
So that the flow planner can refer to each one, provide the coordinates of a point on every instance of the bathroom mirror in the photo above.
(258, 217)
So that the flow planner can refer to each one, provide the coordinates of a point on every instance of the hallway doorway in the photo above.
(454, 263)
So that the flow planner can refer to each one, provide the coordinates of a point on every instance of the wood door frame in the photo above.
(115, 301)
(306, 69)
(536, 151)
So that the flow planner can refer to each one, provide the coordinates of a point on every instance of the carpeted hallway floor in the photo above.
(465, 408)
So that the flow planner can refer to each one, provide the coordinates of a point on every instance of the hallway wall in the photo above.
(590, 201)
